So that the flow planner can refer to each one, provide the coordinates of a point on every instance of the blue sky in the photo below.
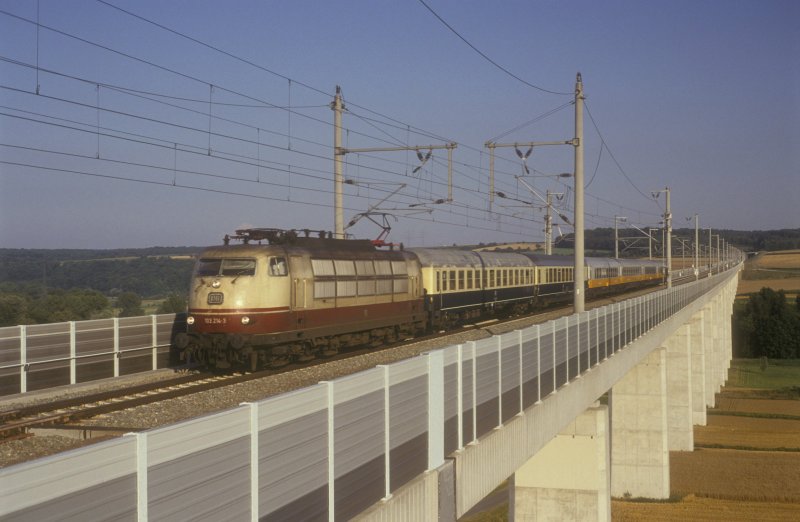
(139, 137)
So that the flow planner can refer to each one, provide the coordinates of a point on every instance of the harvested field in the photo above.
(751, 286)
(784, 259)
(749, 432)
(765, 406)
(735, 484)
(775, 270)
(737, 475)
(698, 508)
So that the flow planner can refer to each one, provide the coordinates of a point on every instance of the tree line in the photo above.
(34, 304)
(47, 286)
(768, 325)
(602, 239)
(149, 276)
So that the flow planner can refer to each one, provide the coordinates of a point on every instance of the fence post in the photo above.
(498, 347)
(387, 445)
(436, 409)
(141, 476)
(538, 364)
(474, 390)
(154, 323)
(521, 373)
(460, 394)
(23, 358)
(72, 353)
(331, 453)
(254, 427)
(640, 316)
(578, 341)
(116, 347)
(555, 364)
(566, 347)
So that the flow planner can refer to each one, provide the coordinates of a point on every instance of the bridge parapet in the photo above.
(388, 443)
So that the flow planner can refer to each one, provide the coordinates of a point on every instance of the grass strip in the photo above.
(744, 448)
(673, 498)
(754, 415)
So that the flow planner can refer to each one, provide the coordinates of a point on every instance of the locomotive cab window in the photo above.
(277, 266)
(226, 267)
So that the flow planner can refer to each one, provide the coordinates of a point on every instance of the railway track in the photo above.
(19, 422)
(66, 414)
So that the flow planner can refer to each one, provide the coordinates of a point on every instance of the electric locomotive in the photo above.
(296, 298)
(299, 297)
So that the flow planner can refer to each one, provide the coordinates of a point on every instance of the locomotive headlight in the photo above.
(245, 320)
(215, 283)
(190, 320)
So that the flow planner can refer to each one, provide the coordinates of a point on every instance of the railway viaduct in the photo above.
(428, 438)
(568, 454)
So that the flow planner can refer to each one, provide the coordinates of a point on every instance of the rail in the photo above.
(334, 449)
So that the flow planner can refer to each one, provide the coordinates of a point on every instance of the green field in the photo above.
(750, 373)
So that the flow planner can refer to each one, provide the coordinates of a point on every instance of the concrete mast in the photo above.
(578, 303)
(338, 178)
(668, 225)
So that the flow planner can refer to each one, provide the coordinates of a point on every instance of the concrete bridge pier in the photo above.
(712, 357)
(639, 432)
(679, 390)
(568, 479)
(730, 298)
(697, 340)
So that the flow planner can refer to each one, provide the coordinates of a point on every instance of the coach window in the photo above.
(452, 284)
(438, 281)
(460, 279)
(277, 266)
(469, 279)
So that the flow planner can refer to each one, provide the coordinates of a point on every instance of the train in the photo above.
(268, 297)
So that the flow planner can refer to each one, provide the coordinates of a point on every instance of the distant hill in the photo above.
(157, 272)
(600, 239)
(149, 272)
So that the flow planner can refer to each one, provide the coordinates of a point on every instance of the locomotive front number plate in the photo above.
(215, 298)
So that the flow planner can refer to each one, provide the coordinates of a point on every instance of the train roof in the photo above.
(445, 257)
(308, 246)
(545, 260)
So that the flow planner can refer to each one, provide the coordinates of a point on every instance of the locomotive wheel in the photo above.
(307, 353)
(278, 361)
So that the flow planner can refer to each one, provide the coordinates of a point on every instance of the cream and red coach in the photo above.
(296, 298)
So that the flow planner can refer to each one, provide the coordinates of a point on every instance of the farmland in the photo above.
(746, 463)
(776, 270)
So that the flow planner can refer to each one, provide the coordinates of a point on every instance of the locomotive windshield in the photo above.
(226, 267)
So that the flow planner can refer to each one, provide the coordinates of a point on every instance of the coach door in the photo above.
(300, 279)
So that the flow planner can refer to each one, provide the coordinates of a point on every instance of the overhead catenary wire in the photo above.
(384, 120)
(611, 153)
(217, 191)
(506, 71)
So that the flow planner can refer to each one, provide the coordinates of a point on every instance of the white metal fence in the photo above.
(329, 451)
(35, 357)
(41, 356)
